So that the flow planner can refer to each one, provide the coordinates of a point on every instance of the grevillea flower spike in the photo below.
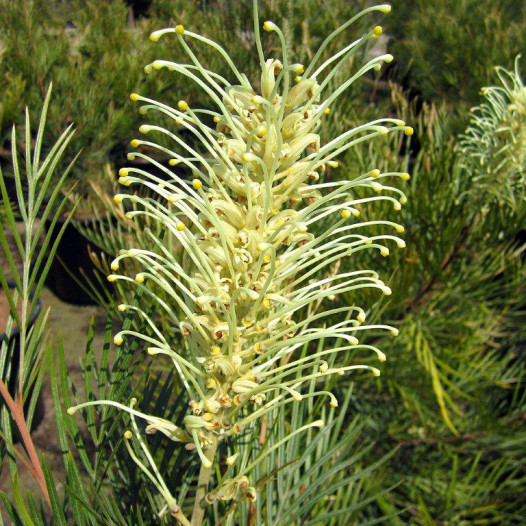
(249, 266)
(494, 144)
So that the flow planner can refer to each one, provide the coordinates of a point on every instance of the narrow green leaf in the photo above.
(56, 506)
(35, 511)
(18, 178)
(20, 505)
(10, 509)
(40, 132)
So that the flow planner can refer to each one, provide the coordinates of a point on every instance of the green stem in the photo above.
(202, 487)
(179, 515)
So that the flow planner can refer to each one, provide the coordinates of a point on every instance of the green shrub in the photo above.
(454, 388)
(448, 48)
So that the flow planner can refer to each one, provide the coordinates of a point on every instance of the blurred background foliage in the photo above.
(446, 50)
(452, 394)
(450, 406)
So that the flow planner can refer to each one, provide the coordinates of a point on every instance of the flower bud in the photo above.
(269, 26)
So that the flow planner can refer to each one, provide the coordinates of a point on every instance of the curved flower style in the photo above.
(249, 266)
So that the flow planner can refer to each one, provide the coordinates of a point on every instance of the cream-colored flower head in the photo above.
(261, 239)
